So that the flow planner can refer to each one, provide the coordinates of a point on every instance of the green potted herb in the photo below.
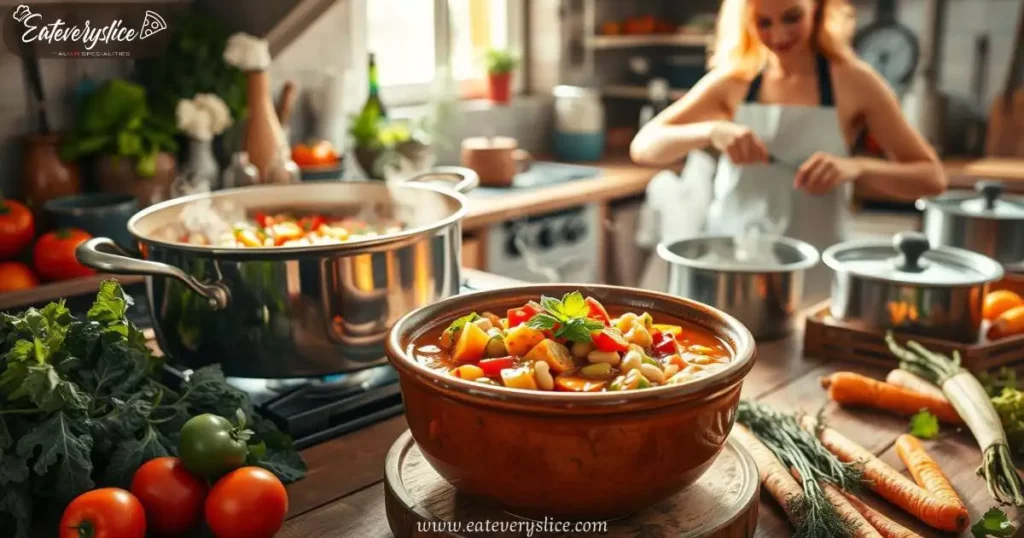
(500, 64)
(134, 149)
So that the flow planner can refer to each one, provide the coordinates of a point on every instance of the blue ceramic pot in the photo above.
(100, 214)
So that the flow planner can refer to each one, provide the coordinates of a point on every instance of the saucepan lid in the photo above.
(744, 253)
(988, 201)
(910, 259)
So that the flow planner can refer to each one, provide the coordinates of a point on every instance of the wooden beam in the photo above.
(292, 25)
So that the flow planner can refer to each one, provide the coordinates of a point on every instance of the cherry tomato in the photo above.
(17, 228)
(54, 255)
(210, 446)
(518, 316)
(103, 513)
(609, 340)
(247, 503)
(597, 311)
(302, 155)
(172, 497)
(16, 276)
(493, 367)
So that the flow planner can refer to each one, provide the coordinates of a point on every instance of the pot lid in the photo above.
(988, 201)
(910, 259)
(750, 253)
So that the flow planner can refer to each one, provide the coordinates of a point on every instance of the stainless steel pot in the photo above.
(908, 285)
(988, 222)
(279, 312)
(759, 282)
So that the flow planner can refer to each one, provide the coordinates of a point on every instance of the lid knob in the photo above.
(991, 191)
(910, 246)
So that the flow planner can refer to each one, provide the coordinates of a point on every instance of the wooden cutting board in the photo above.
(722, 504)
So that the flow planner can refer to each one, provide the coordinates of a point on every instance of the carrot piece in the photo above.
(925, 471)
(1008, 323)
(885, 526)
(893, 486)
(848, 388)
(862, 527)
(776, 479)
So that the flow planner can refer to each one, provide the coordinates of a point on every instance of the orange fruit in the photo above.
(1000, 301)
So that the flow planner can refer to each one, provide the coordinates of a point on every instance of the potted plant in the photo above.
(134, 147)
(500, 64)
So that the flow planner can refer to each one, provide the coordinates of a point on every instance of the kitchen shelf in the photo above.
(655, 40)
(625, 91)
(45, 293)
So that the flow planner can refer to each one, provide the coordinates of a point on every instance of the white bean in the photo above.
(484, 324)
(631, 361)
(607, 357)
(680, 377)
(542, 371)
(640, 336)
(652, 373)
(671, 370)
(581, 349)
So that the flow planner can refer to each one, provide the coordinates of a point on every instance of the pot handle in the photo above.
(910, 246)
(990, 191)
(465, 179)
(91, 254)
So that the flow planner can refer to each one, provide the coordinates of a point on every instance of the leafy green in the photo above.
(459, 323)
(1009, 404)
(995, 383)
(566, 317)
(924, 425)
(81, 407)
(500, 61)
(993, 523)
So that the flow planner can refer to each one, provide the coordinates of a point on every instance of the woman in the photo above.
(783, 103)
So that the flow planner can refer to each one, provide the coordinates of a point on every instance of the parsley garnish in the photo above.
(924, 425)
(993, 523)
(459, 323)
(569, 315)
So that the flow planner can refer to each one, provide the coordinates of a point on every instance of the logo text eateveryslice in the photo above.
(88, 35)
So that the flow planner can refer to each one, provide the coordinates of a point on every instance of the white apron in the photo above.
(763, 195)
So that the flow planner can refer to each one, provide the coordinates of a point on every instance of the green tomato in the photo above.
(210, 446)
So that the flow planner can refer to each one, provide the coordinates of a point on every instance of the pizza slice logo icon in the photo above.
(153, 23)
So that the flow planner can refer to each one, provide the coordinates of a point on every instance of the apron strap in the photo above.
(754, 92)
(825, 91)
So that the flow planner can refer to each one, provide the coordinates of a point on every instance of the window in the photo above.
(412, 38)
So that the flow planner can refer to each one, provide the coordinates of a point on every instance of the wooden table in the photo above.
(343, 494)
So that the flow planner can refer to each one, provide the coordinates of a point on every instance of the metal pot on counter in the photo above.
(296, 311)
(758, 279)
(910, 285)
(988, 222)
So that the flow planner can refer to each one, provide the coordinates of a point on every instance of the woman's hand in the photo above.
(738, 142)
(823, 172)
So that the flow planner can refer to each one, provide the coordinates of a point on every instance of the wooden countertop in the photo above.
(620, 179)
(343, 494)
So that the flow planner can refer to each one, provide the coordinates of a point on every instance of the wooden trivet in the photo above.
(827, 338)
(722, 504)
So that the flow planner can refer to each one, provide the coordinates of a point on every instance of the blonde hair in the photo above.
(738, 47)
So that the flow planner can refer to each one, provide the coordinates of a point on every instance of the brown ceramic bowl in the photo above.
(599, 455)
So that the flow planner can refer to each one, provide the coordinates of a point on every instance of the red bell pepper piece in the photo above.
(263, 220)
(665, 344)
(518, 316)
(597, 311)
(493, 367)
(609, 340)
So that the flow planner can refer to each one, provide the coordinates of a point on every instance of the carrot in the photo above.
(1008, 323)
(907, 380)
(893, 486)
(863, 527)
(782, 486)
(925, 471)
(848, 388)
(885, 526)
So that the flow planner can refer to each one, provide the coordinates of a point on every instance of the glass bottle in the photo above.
(240, 173)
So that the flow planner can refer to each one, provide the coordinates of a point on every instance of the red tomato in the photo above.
(609, 340)
(103, 513)
(246, 503)
(597, 311)
(172, 497)
(518, 316)
(302, 155)
(16, 276)
(324, 154)
(54, 256)
(493, 367)
(16, 228)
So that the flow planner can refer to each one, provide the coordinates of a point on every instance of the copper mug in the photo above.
(496, 160)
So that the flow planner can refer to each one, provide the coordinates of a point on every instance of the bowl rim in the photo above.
(810, 255)
(743, 344)
(109, 202)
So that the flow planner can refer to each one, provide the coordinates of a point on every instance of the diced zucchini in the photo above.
(483, 323)
(556, 355)
(496, 345)
(597, 371)
(519, 340)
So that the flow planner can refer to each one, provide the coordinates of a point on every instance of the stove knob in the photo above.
(511, 248)
(574, 229)
(545, 237)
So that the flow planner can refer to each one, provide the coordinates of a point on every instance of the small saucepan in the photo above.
(910, 285)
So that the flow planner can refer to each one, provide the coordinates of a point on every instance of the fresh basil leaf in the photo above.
(130, 455)
(551, 306)
(64, 446)
(459, 323)
(574, 306)
(542, 322)
(575, 329)
(993, 523)
(924, 425)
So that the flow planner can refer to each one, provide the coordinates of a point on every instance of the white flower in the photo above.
(247, 52)
(203, 117)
